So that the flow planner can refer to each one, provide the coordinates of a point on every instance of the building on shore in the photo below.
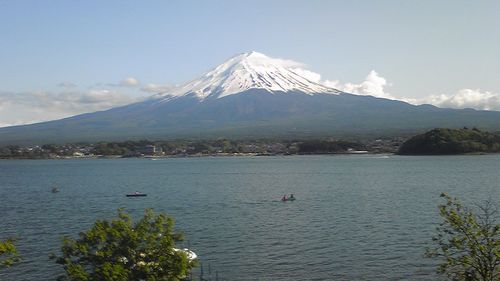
(151, 150)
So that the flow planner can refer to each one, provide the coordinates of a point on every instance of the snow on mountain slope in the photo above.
(249, 71)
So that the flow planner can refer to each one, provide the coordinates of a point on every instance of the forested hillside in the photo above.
(451, 141)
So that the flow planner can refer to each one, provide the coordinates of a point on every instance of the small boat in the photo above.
(55, 190)
(284, 198)
(136, 194)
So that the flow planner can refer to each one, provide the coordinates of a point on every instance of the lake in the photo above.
(356, 217)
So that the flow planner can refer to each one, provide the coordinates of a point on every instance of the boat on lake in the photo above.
(136, 194)
(291, 198)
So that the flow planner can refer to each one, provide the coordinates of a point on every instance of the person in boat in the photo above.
(284, 198)
(291, 196)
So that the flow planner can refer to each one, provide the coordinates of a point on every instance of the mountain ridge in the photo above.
(238, 99)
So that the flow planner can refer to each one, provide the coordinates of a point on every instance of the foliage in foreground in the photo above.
(8, 253)
(122, 250)
(467, 243)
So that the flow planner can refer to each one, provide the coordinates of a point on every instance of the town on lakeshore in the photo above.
(433, 142)
(145, 148)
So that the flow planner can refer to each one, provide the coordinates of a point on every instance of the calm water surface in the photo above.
(361, 217)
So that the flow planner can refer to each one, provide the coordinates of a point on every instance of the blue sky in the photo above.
(424, 50)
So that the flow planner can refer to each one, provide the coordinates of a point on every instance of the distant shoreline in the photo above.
(221, 155)
(242, 155)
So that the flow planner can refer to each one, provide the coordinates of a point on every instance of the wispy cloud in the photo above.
(96, 99)
(464, 98)
(129, 82)
(28, 107)
(19, 122)
(66, 84)
(309, 75)
(157, 88)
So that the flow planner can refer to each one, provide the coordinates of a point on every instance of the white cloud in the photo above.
(373, 85)
(287, 63)
(464, 98)
(129, 82)
(157, 88)
(297, 67)
(376, 85)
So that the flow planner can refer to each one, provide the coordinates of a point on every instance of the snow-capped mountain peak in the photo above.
(250, 70)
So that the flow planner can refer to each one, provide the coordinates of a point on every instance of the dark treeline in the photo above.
(319, 146)
(451, 141)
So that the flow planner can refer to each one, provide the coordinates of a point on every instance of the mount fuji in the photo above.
(250, 71)
(250, 96)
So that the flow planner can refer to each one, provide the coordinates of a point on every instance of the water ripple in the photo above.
(356, 217)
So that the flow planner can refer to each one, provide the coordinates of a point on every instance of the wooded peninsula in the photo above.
(451, 141)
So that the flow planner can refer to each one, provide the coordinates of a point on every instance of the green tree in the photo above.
(467, 243)
(8, 253)
(123, 250)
